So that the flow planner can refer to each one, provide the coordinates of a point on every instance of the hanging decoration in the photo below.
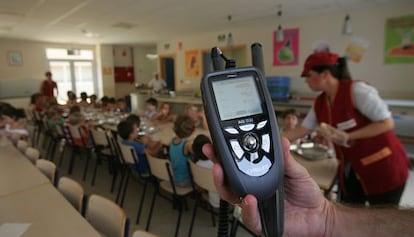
(399, 40)
(286, 52)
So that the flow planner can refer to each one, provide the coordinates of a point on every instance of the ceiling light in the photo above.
(280, 36)
(230, 39)
(347, 29)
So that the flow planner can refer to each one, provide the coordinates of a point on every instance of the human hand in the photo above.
(307, 212)
(333, 134)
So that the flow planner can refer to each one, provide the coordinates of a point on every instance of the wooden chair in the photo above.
(102, 149)
(141, 233)
(32, 154)
(202, 178)
(73, 192)
(72, 134)
(161, 170)
(22, 146)
(48, 168)
(130, 158)
(106, 217)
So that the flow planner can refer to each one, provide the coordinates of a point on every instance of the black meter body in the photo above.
(244, 130)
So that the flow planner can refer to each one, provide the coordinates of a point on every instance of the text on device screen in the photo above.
(237, 97)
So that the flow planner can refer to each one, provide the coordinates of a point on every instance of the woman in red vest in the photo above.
(373, 165)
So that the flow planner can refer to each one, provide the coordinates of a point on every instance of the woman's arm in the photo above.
(373, 129)
(296, 133)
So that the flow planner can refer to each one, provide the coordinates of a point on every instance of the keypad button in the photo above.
(261, 124)
(231, 130)
(247, 127)
(237, 148)
(254, 156)
(266, 142)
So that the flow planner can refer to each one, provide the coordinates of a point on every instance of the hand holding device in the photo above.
(245, 135)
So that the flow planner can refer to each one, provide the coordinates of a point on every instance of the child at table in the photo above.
(180, 150)
(197, 115)
(151, 105)
(164, 115)
(128, 132)
(154, 148)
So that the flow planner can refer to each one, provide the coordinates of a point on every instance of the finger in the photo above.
(292, 168)
(221, 186)
(208, 151)
(250, 213)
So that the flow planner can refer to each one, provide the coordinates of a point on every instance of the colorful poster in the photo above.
(286, 52)
(192, 65)
(399, 40)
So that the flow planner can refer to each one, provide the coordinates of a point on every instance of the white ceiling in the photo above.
(149, 21)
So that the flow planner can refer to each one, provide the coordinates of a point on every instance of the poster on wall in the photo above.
(286, 52)
(192, 65)
(399, 40)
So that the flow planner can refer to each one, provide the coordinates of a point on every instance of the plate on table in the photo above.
(311, 151)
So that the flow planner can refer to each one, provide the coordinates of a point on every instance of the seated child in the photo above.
(201, 160)
(180, 150)
(153, 147)
(77, 119)
(151, 105)
(128, 132)
(13, 121)
(197, 115)
(122, 106)
(164, 115)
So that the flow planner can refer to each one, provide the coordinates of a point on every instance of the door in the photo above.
(76, 76)
(168, 71)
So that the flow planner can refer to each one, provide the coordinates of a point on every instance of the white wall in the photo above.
(392, 80)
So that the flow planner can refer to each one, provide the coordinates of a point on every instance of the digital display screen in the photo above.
(237, 97)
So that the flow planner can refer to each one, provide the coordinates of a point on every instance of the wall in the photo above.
(34, 62)
(143, 69)
(392, 80)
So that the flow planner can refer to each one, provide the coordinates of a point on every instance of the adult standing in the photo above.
(157, 83)
(48, 86)
(373, 165)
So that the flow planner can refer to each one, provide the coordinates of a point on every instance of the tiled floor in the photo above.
(164, 216)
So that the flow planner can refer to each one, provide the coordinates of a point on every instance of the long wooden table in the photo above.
(27, 197)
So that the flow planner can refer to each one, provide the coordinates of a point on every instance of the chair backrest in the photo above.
(99, 137)
(203, 177)
(32, 154)
(106, 216)
(72, 191)
(128, 153)
(22, 145)
(158, 167)
(142, 233)
(48, 168)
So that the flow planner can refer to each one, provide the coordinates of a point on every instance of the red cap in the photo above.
(319, 59)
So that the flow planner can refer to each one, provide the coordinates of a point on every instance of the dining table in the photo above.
(30, 206)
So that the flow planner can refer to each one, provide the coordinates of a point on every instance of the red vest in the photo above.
(381, 161)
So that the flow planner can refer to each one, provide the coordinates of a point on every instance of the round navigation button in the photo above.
(250, 141)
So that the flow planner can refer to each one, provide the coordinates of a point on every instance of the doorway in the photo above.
(76, 76)
(167, 65)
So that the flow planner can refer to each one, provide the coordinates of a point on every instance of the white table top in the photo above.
(322, 171)
(17, 173)
(165, 133)
(28, 197)
(47, 212)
